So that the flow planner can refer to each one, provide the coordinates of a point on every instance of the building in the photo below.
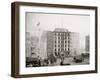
(31, 45)
(61, 42)
(34, 45)
(74, 43)
(50, 43)
(43, 45)
(87, 43)
(57, 42)
(38, 45)
(28, 44)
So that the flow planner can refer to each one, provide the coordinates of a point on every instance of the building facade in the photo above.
(50, 43)
(62, 42)
(31, 45)
(28, 44)
(87, 43)
(74, 43)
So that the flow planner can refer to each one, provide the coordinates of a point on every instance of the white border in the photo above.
(36, 70)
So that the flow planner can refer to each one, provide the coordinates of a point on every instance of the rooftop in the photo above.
(60, 30)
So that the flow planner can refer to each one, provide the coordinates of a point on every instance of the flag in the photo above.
(38, 23)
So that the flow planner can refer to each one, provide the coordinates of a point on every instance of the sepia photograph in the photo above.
(57, 39)
(53, 39)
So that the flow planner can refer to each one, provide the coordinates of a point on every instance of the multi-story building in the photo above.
(28, 44)
(87, 43)
(36, 46)
(57, 42)
(61, 41)
(50, 42)
(43, 45)
(31, 45)
(74, 43)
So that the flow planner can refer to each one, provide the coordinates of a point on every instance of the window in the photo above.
(62, 45)
(61, 41)
(55, 53)
(59, 49)
(59, 37)
(58, 41)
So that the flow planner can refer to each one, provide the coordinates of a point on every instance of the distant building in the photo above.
(50, 43)
(87, 43)
(31, 44)
(74, 43)
(43, 45)
(34, 45)
(28, 44)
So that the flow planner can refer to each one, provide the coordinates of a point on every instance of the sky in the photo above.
(74, 23)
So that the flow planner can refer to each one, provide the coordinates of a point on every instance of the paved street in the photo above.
(70, 61)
